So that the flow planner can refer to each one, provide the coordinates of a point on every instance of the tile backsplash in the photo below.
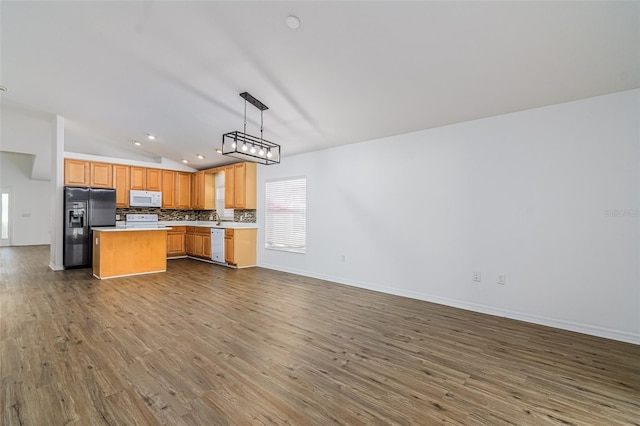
(248, 216)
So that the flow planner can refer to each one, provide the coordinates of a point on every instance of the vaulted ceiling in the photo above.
(352, 71)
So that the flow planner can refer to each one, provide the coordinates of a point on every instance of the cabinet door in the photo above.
(138, 178)
(168, 189)
(206, 246)
(229, 187)
(101, 175)
(154, 180)
(190, 243)
(76, 172)
(208, 191)
(244, 245)
(197, 191)
(121, 183)
(176, 243)
(183, 190)
(239, 185)
(250, 185)
(228, 249)
(197, 244)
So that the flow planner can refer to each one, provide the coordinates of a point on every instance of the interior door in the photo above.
(5, 217)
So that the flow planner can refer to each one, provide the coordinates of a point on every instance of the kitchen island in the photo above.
(122, 251)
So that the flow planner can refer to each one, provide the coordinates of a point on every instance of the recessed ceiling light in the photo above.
(293, 22)
(3, 89)
(150, 137)
(200, 156)
(218, 150)
(137, 143)
(185, 161)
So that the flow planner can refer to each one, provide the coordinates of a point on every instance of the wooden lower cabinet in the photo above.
(176, 241)
(198, 241)
(118, 253)
(206, 245)
(189, 240)
(197, 244)
(240, 247)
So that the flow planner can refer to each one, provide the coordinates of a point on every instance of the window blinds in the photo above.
(286, 215)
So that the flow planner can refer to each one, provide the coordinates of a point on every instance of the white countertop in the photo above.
(122, 228)
(204, 224)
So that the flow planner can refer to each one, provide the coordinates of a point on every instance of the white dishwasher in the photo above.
(217, 244)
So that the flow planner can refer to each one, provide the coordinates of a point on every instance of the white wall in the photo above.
(29, 204)
(527, 194)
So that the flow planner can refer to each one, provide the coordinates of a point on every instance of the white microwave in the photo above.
(145, 198)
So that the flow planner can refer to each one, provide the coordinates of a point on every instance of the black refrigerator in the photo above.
(85, 208)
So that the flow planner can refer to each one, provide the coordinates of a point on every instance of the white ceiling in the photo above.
(353, 71)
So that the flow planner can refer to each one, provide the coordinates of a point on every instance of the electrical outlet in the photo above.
(186, 217)
(117, 217)
(476, 276)
(210, 217)
(502, 279)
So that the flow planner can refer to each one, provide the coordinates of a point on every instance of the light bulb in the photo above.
(253, 149)
(233, 145)
(244, 147)
(261, 152)
(269, 154)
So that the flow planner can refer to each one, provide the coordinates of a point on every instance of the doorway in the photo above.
(5, 222)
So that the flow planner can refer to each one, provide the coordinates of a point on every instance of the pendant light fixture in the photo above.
(247, 147)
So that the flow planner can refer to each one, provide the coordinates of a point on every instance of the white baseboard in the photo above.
(589, 329)
(55, 267)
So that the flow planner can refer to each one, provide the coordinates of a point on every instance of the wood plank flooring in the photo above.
(206, 345)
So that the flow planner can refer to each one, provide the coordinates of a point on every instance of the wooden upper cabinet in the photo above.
(197, 183)
(183, 190)
(101, 175)
(76, 172)
(154, 180)
(121, 181)
(203, 190)
(168, 189)
(88, 173)
(229, 187)
(138, 178)
(240, 186)
(208, 191)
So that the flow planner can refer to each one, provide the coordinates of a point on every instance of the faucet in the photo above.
(216, 216)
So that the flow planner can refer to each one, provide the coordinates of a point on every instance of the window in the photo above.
(223, 213)
(286, 215)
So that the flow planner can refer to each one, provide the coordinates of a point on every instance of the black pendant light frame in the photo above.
(240, 144)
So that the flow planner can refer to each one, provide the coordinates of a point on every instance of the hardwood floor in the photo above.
(205, 345)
